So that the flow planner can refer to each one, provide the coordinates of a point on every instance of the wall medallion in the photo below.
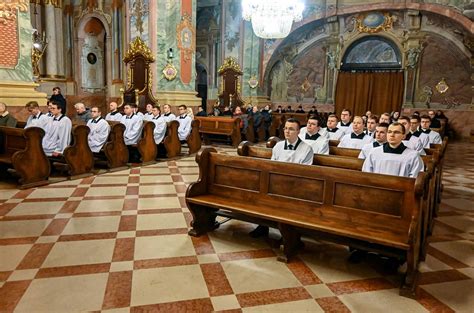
(253, 82)
(170, 72)
(185, 35)
(374, 22)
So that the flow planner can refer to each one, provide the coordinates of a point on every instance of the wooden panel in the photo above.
(368, 198)
(296, 187)
(237, 177)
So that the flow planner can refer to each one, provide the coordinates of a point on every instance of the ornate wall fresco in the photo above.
(139, 20)
(15, 58)
(440, 59)
(233, 20)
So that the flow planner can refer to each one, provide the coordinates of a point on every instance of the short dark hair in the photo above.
(415, 117)
(384, 125)
(314, 117)
(32, 104)
(57, 88)
(426, 117)
(374, 117)
(404, 117)
(294, 120)
(182, 106)
(333, 115)
(398, 124)
(57, 104)
(347, 110)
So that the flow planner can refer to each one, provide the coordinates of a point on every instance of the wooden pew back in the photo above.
(78, 155)
(171, 140)
(115, 149)
(220, 126)
(194, 138)
(146, 145)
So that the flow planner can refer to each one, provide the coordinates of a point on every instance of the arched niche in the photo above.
(372, 53)
(94, 34)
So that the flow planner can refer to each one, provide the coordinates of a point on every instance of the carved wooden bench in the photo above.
(373, 212)
(22, 150)
(220, 126)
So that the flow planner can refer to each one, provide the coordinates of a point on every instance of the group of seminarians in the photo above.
(57, 126)
(391, 148)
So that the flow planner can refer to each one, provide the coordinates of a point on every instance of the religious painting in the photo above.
(374, 22)
(372, 52)
(185, 34)
(139, 19)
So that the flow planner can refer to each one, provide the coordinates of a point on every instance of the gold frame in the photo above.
(442, 86)
(186, 24)
(170, 75)
(386, 25)
(253, 82)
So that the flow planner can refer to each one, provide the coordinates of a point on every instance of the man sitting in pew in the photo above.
(167, 113)
(137, 112)
(380, 139)
(83, 114)
(410, 141)
(6, 119)
(332, 131)
(114, 114)
(356, 139)
(184, 120)
(415, 122)
(345, 123)
(36, 118)
(293, 150)
(385, 118)
(99, 130)
(372, 122)
(433, 136)
(148, 114)
(310, 135)
(394, 158)
(435, 123)
(133, 130)
(58, 133)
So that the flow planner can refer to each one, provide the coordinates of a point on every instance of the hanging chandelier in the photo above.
(272, 18)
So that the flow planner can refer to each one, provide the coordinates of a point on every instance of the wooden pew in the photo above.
(115, 149)
(249, 131)
(248, 149)
(333, 143)
(22, 150)
(366, 211)
(146, 145)
(171, 140)
(78, 155)
(194, 138)
(220, 126)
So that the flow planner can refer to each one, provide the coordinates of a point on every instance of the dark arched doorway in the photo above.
(201, 84)
(371, 77)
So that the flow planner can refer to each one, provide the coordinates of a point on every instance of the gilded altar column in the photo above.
(58, 14)
(51, 50)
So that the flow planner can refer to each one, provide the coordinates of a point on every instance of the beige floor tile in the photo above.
(319, 291)
(225, 303)
(190, 178)
(51, 193)
(88, 225)
(110, 180)
(295, 306)
(233, 237)
(152, 247)
(158, 203)
(156, 179)
(7, 194)
(189, 170)
(458, 295)
(432, 264)
(100, 205)
(161, 221)
(17, 229)
(258, 274)
(153, 285)
(11, 256)
(119, 173)
(106, 191)
(381, 301)
(157, 190)
(80, 252)
(464, 223)
(64, 294)
(154, 170)
(119, 310)
(333, 267)
(32, 208)
(23, 275)
(460, 204)
(461, 250)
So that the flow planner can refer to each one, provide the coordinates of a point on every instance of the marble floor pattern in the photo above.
(118, 243)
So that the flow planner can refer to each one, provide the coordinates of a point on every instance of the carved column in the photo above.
(51, 50)
(58, 14)
(117, 40)
(333, 57)
(412, 57)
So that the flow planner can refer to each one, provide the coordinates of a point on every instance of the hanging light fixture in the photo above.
(272, 18)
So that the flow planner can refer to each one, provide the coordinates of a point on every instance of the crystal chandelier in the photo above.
(272, 18)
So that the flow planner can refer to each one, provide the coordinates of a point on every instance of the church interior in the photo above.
(87, 231)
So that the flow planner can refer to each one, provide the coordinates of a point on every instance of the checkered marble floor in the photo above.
(118, 243)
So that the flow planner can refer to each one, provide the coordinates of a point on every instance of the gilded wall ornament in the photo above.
(138, 47)
(253, 82)
(170, 72)
(230, 63)
(185, 35)
(8, 9)
(442, 86)
(374, 22)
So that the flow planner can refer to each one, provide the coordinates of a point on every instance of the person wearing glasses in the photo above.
(100, 130)
(345, 123)
(394, 158)
(310, 135)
